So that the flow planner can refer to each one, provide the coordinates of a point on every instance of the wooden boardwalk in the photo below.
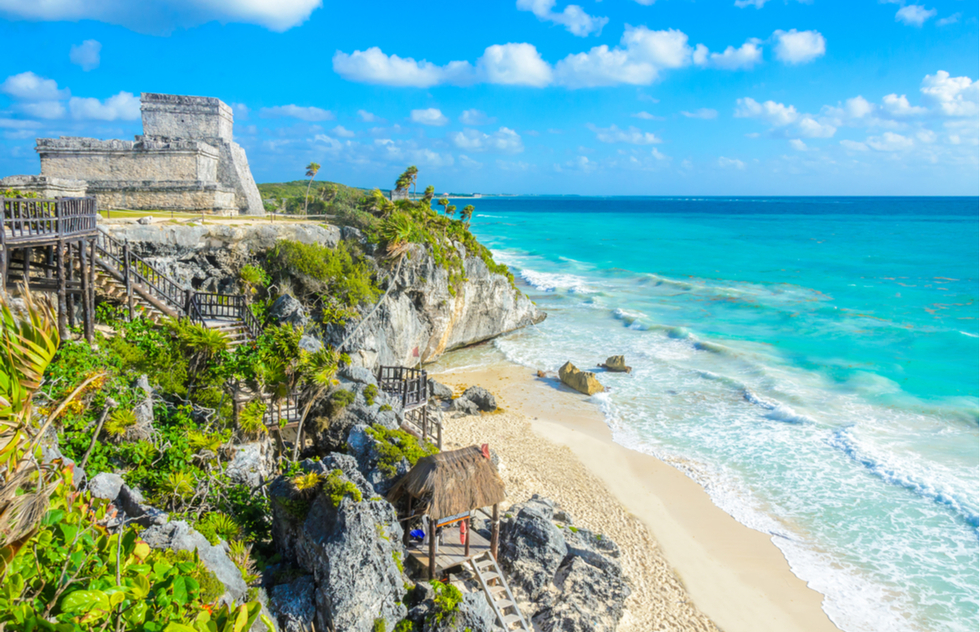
(451, 553)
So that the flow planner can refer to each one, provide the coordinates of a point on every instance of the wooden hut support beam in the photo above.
(495, 530)
(432, 549)
(86, 307)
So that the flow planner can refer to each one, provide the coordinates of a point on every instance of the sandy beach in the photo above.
(692, 565)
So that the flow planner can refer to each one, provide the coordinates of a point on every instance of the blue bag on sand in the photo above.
(417, 533)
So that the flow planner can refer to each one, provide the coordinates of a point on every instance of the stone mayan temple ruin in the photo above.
(186, 160)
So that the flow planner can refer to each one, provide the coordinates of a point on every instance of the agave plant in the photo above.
(307, 484)
(28, 343)
(119, 422)
(251, 419)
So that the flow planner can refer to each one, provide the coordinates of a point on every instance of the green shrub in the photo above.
(405, 626)
(217, 525)
(338, 275)
(394, 445)
(119, 421)
(251, 419)
(339, 400)
(336, 487)
(447, 600)
(370, 392)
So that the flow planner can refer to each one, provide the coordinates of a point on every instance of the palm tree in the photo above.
(430, 192)
(407, 179)
(311, 170)
(466, 214)
(447, 208)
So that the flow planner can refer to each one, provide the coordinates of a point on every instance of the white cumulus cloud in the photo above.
(343, 132)
(161, 17)
(799, 47)
(798, 144)
(86, 54)
(368, 117)
(914, 15)
(775, 113)
(514, 65)
(889, 141)
(120, 107)
(429, 116)
(643, 54)
(475, 117)
(573, 17)
(899, 106)
(31, 87)
(952, 96)
(504, 140)
(646, 116)
(631, 135)
(730, 163)
(374, 66)
(303, 113)
(42, 109)
(811, 128)
(742, 58)
(853, 145)
(701, 113)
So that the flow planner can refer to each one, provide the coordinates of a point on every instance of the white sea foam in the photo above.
(552, 282)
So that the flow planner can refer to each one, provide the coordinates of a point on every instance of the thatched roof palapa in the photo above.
(450, 483)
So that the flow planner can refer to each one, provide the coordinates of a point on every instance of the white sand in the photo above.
(692, 566)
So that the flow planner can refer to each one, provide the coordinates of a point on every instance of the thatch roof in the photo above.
(450, 483)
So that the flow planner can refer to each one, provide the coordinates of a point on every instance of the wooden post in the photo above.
(128, 279)
(86, 308)
(62, 290)
(439, 436)
(49, 259)
(466, 537)
(69, 273)
(432, 549)
(425, 426)
(3, 256)
(27, 253)
(91, 289)
(495, 531)
(408, 523)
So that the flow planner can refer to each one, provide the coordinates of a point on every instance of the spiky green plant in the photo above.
(121, 420)
(216, 525)
(198, 440)
(28, 343)
(251, 419)
(178, 486)
(307, 484)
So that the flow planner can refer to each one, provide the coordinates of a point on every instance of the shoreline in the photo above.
(736, 577)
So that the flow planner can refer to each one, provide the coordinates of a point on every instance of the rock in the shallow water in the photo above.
(588, 599)
(252, 464)
(439, 391)
(464, 405)
(532, 547)
(582, 381)
(616, 364)
(350, 548)
(288, 309)
(105, 485)
(292, 605)
(483, 398)
(179, 536)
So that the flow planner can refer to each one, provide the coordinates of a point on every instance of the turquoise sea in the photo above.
(812, 362)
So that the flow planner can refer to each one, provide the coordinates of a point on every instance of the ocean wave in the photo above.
(490, 216)
(778, 411)
(966, 333)
(633, 319)
(893, 469)
(553, 281)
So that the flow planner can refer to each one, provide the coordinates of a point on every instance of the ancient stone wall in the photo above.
(146, 159)
(165, 196)
(44, 186)
(178, 116)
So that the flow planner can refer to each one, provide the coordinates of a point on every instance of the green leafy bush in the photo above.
(370, 392)
(447, 600)
(339, 276)
(336, 487)
(394, 445)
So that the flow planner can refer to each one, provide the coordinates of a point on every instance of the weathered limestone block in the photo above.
(582, 381)
(617, 364)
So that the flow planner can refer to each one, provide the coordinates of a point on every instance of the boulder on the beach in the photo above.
(464, 405)
(439, 391)
(483, 398)
(566, 579)
(582, 381)
(616, 364)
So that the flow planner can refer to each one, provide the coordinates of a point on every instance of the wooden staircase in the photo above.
(126, 277)
(497, 592)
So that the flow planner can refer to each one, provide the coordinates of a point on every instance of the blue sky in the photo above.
(637, 97)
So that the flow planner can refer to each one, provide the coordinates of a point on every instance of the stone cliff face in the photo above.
(422, 312)
(418, 311)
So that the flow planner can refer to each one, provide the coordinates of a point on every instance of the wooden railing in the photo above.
(200, 307)
(410, 385)
(33, 221)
